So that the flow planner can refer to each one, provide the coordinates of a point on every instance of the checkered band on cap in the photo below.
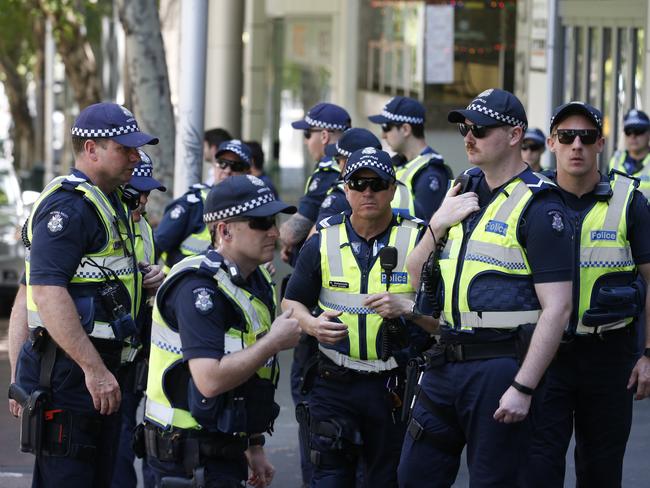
(144, 169)
(507, 119)
(370, 162)
(324, 125)
(402, 118)
(112, 132)
(342, 151)
(238, 209)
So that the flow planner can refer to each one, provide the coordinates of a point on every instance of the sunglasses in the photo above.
(636, 132)
(257, 223)
(388, 127)
(531, 147)
(308, 132)
(478, 131)
(567, 136)
(234, 165)
(375, 184)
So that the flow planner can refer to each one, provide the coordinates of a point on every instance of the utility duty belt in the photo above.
(443, 353)
(328, 369)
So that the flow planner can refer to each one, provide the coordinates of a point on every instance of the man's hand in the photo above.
(261, 470)
(270, 267)
(104, 390)
(641, 378)
(513, 407)
(285, 331)
(327, 331)
(453, 209)
(153, 276)
(389, 305)
(286, 252)
(14, 408)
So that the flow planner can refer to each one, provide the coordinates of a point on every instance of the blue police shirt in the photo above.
(632, 165)
(182, 218)
(324, 177)
(65, 228)
(335, 203)
(202, 329)
(429, 186)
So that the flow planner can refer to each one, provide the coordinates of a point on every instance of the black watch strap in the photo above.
(646, 352)
(526, 390)
(257, 440)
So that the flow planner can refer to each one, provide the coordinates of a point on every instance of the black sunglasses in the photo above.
(257, 223)
(375, 184)
(587, 136)
(531, 147)
(389, 126)
(478, 131)
(308, 132)
(234, 165)
(635, 131)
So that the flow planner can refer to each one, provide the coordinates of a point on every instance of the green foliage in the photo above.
(18, 40)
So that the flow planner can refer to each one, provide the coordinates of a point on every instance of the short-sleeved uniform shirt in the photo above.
(324, 177)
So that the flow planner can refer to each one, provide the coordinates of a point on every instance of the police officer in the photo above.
(83, 286)
(181, 231)
(591, 382)
(635, 160)
(212, 367)
(323, 125)
(133, 375)
(257, 165)
(352, 139)
(424, 174)
(533, 147)
(354, 401)
(504, 260)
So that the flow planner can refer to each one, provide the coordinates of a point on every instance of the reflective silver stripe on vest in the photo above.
(404, 195)
(146, 240)
(518, 193)
(366, 365)
(486, 252)
(105, 207)
(605, 257)
(446, 251)
(602, 328)
(120, 265)
(159, 412)
(496, 320)
(349, 302)
(165, 338)
(402, 239)
(101, 330)
(240, 297)
(616, 204)
(194, 245)
(333, 246)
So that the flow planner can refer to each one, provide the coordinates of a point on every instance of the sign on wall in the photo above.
(439, 44)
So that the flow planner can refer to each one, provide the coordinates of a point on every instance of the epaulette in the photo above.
(71, 182)
(407, 220)
(328, 165)
(330, 221)
(211, 263)
(193, 195)
(537, 182)
(615, 174)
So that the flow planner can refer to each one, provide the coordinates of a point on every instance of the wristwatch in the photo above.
(257, 440)
(646, 352)
(414, 314)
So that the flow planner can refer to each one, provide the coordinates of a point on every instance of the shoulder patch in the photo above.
(326, 164)
(176, 212)
(203, 299)
(314, 183)
(57, 222)
(327, 203)
(192, 198)
(434, 183)
(557, 221)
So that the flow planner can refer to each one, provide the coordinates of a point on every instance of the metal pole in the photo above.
(191, 103)
(48, 104)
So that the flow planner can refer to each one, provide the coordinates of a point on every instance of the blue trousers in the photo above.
(470, 391)
(218, 473)
(585, 390)
(363, 403)
(69, 394)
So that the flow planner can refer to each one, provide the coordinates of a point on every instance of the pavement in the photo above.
(282, 447)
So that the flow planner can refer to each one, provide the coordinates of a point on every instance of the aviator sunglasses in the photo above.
(375, 184)
(389, 126)
(308, 132)
(531, 147)
(635, 131)
(234, 165)
(257, 223)
(567, 136)
(478, 131)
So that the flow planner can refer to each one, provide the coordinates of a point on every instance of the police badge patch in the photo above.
(327, 203)
(434, 184)
(557, 222)
(176, 212)
(58, 221)
(203, 300)
(314, 184)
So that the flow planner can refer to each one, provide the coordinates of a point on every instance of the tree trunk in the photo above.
(149, 82)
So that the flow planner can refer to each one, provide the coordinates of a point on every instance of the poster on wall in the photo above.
(439, 44)
(538, 35)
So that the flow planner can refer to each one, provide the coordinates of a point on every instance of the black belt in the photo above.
(459, 352)
(570, 340)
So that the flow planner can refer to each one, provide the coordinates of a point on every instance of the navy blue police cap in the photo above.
(350, 141)
(245, 196)
(536, 135)
(324, 116)
(491, 108)
(142, 178)
(400, 110)
(237, 147)
(370, 158)
(636, 119)
(577, 108)
(111, 121)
